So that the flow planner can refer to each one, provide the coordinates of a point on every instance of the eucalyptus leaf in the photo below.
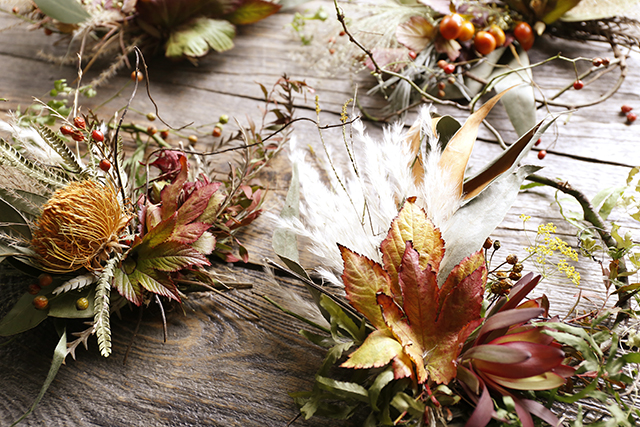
(22, 317)
(475, 221)
(343, 389)
(195, 38)
(65, 11)
(59, 354)
(520, 101)
(446, 127)
(483, 71)
(64, 305)
(383, 378)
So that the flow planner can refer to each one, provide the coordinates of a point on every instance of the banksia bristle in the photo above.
(79, 227)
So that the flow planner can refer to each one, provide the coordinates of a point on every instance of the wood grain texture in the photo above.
(220, 367)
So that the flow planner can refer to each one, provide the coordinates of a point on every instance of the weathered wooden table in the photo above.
(220, 366)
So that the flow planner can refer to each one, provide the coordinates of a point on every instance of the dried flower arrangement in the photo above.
(419, 328)
(180, 29)
(101, 229)
(453, 52)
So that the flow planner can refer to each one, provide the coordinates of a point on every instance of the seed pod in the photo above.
(82, 303)
(496, 245)
(79, 122)
(34, 289)
(41, 302)
(515, 276)
(45, 280)
(512, 259)
(517, 268)
(488, 243)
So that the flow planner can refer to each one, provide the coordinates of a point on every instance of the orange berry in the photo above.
(524, 34)
(484, 42)
(451, 26)
(466, 31)
(137, 75)
(217, 131)
(498, 34)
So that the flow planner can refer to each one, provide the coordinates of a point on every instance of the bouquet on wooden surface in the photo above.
(419, 328)
(98, 228)
(453, 52)
(181, 29)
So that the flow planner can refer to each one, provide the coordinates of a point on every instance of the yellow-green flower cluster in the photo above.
(547, 246)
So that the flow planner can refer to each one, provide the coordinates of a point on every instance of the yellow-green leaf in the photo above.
(376, 351)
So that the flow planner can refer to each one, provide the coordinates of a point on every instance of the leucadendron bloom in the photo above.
(80, 226)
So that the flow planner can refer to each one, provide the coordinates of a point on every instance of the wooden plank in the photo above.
(218, 367)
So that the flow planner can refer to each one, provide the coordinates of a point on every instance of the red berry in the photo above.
(66, 130)
(631, 117)
(45, 280)
(47, 31)
(342, 33)
(412, 55)
(524, 34)
(578, 84)
(105, 165)
(441, 85)
(606, 62)
(542, 154)
(97, 135)
(451, 26)
(77, 136)
(137, 75)
(332, 51)
(80, 123)
(15, 10)
(164, 134)
(217, 131)
(626, 108)
(449, 69)
(596, 62)
(538, 142)
(442, 94)
(151, 130)
(41, 302)
(33, 289)
(442, 63)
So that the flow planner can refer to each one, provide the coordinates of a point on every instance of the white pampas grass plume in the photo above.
(355, 205)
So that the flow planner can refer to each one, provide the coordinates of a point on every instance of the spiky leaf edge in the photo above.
(33, 170)
(101, 306)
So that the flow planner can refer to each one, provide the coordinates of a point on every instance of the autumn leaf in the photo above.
(411, 224)
(363, 280)
(416, 33)
(420, 327)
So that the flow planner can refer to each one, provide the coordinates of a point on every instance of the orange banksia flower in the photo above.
(79, 227)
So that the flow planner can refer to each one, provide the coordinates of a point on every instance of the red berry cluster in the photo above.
(631, 116)
(79, 132)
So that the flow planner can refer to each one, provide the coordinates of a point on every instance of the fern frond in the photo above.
(101, 307)
(60, 147)
(29, 168)
(77, 282)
